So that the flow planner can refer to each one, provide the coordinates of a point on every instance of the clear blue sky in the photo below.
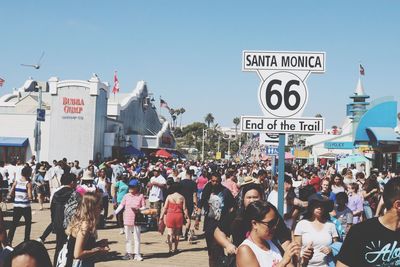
(190, 52)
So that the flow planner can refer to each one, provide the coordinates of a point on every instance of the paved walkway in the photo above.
(153, 246)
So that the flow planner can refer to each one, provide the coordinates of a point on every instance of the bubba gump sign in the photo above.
(73, 105)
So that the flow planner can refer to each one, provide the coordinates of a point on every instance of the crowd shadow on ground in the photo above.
(169, 255)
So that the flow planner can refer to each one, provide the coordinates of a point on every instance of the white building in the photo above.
(330, 145)
(82, 121)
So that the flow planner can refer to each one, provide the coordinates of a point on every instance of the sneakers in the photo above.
(138, 257)
(121, 232)
(128, 256)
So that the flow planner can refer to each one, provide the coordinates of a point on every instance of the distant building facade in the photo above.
(82, 121)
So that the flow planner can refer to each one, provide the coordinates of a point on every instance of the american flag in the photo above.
(164, 104)
(362, 71)
(1, 82)
(116, 84)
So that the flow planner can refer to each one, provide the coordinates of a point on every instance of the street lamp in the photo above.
(202, 145)
(229, 145)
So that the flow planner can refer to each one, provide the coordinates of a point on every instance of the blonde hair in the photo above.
(86, 216)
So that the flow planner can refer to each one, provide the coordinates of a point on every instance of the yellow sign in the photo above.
(364, 149)
(218, 155)
(304, 154)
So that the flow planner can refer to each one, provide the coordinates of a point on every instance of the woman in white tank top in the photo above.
(258, 250)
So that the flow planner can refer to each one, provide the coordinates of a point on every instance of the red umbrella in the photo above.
(162, 153)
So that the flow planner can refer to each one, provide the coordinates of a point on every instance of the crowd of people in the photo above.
(330, 217)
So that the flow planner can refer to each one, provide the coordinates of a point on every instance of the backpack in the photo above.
(65, 255)
(70, 208)
(57, 212)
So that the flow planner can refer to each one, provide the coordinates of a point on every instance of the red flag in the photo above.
(362, 71)
(116, 84)
(1, 82)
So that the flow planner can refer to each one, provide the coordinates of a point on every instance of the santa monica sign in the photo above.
(287, 125)
(283, 91)
(300, 61)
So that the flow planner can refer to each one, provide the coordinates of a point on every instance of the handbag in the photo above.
(140, 219)
(161, 227)
(227, 260)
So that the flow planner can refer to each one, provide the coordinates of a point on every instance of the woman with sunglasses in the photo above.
(317, 230)
(258, 249)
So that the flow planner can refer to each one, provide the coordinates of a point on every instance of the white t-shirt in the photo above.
(320, 239)
(182, 175)
(3, 172)
(265, 258)
(77, 171)
(18, 173)
(101, 185)
(11, 172)
(156, 193)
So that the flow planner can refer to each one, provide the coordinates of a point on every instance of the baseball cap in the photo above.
(133, 183)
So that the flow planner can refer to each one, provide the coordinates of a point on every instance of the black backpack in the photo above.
(70, 208)
(57, 210)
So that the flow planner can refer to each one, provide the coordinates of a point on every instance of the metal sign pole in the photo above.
(281, 173)
(38, 132)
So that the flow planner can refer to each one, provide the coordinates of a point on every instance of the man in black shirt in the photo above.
(57, 208)
(189, 192)
(376, 242)
(217, 202)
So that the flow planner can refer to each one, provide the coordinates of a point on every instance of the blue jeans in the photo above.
(199, 193)
(367, 210)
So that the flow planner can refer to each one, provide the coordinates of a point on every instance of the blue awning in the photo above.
(384, 135)
(13, 141)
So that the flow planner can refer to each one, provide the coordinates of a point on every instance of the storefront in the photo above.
(13, 148)
(82, 122)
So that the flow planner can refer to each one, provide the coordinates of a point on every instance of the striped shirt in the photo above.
(21, 195)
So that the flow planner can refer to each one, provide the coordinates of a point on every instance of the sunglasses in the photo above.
(271, 224)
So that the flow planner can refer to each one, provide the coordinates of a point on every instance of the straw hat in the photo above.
(249, 180)
(87, 176)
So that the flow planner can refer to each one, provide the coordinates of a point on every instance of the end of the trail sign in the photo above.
(285, 125)
(290, 61)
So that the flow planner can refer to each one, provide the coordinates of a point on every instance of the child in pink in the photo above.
(132, 203)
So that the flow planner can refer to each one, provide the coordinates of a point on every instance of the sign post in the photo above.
(282, 96)
(281, 173)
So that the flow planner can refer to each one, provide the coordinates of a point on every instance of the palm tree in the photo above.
(236, 121)
(209, 119)
(182, 110)
(177, 113)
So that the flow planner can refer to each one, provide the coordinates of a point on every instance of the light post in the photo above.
(229, 145)
(38, 132)
(202, 145)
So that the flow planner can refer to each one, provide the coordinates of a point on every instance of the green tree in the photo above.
(209, 119)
